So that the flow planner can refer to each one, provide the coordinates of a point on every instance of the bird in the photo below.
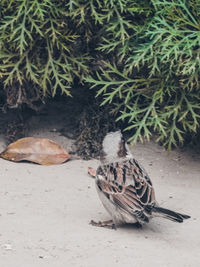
(125, 188)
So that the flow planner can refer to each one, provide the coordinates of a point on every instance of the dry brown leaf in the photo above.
(39, 150)
(91, 172)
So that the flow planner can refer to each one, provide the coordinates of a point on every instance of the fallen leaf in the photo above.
(39, 150)
(91, 172)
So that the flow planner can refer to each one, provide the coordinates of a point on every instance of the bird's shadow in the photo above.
(145, 228)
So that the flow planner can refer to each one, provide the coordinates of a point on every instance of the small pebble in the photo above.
(7, 246)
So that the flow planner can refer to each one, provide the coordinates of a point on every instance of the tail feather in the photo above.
(169, 214)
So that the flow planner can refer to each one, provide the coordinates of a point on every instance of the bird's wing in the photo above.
(128, 186)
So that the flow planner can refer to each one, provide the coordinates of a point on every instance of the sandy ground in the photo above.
(45, 213)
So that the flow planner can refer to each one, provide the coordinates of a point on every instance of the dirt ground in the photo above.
(45, 212)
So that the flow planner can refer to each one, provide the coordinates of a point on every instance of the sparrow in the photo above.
(125, 188)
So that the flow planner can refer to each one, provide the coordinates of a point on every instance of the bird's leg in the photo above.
(107, 224)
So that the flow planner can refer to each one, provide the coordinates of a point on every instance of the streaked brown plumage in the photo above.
(125, 188)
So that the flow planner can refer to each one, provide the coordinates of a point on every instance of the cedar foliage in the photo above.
(153, 79)
(38, 47)
(140, 56)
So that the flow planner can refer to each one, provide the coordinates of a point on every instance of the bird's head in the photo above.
(114, 148)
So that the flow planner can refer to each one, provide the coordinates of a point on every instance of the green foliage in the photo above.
(141, 56)
(37, 42)
(153, 77)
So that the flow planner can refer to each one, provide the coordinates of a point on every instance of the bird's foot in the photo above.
(107, 224)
